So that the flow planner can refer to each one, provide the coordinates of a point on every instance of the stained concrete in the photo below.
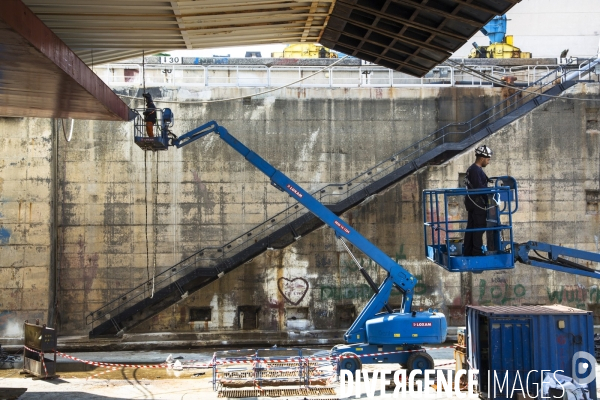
(206, 195)
(26, 221)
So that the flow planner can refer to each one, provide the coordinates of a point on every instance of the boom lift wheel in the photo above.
(349, 361)
(420, 361)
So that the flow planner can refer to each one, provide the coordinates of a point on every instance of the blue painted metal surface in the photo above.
(394, 328)
(4, 236)
(439, 227)
(398, 353)
(555, 258)
(518, 343)
(495, 30)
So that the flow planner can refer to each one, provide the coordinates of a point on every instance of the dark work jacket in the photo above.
(476, 179)
(150, 112)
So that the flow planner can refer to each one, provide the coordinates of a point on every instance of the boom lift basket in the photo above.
(161, 130)
(444, 226)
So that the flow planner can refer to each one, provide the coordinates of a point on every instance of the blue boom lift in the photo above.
(393, 332)
(390, 331)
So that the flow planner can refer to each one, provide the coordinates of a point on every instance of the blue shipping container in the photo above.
(511, 346)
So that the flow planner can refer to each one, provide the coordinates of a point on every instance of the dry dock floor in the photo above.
(76, 382)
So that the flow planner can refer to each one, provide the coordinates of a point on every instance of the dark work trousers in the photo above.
(476, 219)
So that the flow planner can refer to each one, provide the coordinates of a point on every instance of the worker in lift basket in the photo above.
(149, 114)
(476, 205)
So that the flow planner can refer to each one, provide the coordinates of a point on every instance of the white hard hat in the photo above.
(483, 151)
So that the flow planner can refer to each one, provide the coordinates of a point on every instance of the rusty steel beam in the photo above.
(41, 77)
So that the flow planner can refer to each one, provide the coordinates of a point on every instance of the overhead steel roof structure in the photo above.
(108, 30)
(410, 36)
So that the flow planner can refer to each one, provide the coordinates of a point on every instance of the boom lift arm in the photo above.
(391, 332)
(371, 332)
(397, 277)
(554, 261)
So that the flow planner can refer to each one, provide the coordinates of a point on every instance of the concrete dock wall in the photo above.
(205, 194)
(27, 212)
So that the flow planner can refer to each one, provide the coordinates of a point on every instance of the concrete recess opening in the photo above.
(297, 318)
(200, 314)
(248, 317)
(296, 313)
(344, 315)
(592, 198)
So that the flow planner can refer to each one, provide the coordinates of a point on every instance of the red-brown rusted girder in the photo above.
(41, 77)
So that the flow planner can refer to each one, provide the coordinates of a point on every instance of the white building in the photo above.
(547, 27)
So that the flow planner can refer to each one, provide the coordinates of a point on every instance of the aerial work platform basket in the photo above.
(153, 136)
(445, 225)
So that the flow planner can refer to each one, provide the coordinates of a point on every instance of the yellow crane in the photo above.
(501, 44)
(304, 50)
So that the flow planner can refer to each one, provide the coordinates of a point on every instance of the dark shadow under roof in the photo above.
(410, 36)
(41, 77)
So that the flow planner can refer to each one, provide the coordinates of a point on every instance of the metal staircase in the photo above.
(281, 230)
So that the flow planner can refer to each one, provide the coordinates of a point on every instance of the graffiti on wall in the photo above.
(362, 291)
(349, 292)
(4, 236)
(577, 295)
(498, 291)
(400, 253)
(293, 290)
(494, 291)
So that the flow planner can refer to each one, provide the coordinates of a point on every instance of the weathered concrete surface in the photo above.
(207, 194)
(553, 153)
(26, 220)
